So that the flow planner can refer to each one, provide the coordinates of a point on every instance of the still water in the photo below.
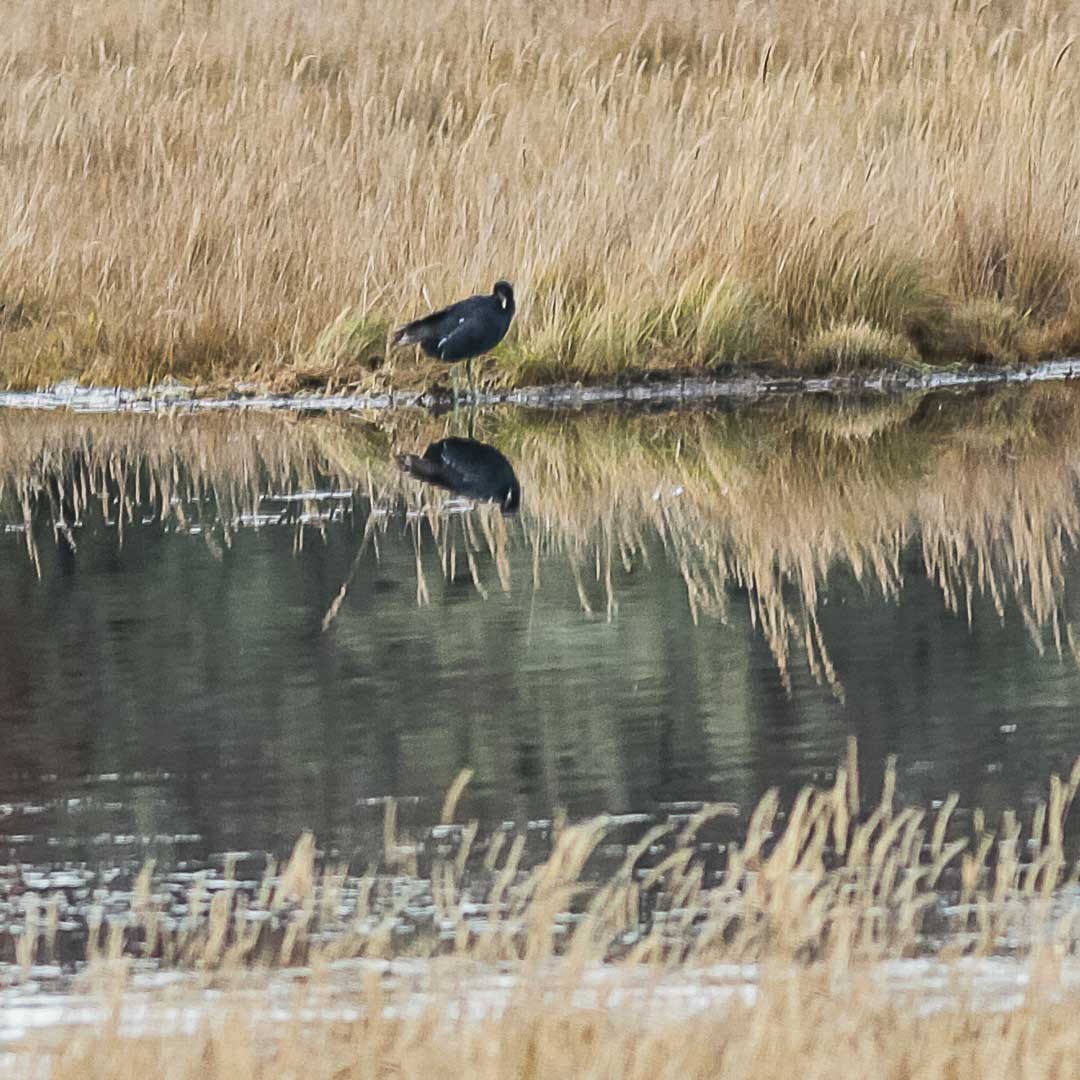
(217, 631)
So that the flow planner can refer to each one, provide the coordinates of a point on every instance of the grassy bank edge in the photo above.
(721, 333)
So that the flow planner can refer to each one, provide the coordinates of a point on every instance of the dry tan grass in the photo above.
(816, 896)
(209, 189)
(796, 1024)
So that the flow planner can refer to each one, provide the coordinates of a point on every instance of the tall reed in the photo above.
(799, 947)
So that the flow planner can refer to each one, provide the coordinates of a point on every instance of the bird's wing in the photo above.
(469, 337)
(473, 462)
(459, 457)
(427, 326)
(454, 334)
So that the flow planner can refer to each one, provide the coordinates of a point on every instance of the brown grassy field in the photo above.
(219, 191)
(811, 916)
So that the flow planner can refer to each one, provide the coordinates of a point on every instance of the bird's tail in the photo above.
(419, 467)
(404, 335)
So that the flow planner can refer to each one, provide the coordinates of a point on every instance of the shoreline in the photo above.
(175, 396)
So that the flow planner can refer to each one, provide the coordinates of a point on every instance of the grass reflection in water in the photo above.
(760, 505)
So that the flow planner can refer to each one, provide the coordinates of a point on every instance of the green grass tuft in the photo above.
(347, 350)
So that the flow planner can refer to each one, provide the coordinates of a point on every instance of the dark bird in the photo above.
(463, 330)
(467, 467)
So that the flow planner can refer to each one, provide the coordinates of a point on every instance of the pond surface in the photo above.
(217, 631)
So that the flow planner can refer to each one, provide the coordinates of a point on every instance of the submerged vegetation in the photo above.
(858, 936)
(212, 193)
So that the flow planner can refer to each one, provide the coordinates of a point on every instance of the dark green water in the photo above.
(172, 696)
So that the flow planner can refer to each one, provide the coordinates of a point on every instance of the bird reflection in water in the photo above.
(467, 467)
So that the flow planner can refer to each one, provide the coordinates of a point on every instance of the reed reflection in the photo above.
(679, 609)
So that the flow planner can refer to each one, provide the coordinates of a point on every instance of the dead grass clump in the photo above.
(352, 346)
(710, 324)
(854, 346)
(1032, 268)
(830, 880)
(701, 326)
(986, 330)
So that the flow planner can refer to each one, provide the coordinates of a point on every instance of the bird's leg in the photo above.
(469, 378)
(454, 383)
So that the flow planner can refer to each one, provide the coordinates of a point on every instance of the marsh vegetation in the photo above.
(726, 747)
(864, 937)
(210, 192)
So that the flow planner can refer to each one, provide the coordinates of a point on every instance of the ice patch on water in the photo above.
(171, 1003)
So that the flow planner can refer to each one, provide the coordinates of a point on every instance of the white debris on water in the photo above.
(307, 496)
